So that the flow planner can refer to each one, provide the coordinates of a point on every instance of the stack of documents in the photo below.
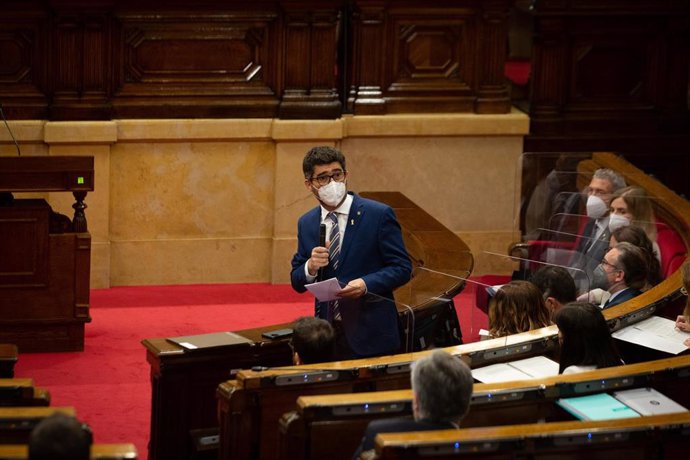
(524, 369)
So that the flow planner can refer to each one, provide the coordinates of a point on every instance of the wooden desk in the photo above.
(16, 423)
(98, 452)
(184, 382)
(44, 276)
(307, 432)
(8, 358)
(652, 437)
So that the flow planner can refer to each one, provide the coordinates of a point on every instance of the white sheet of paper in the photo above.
(325, 290)
(654, 332)
(537, 366)
(501, 372)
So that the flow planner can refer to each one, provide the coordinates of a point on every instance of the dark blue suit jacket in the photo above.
(627, 294)
(373, 250)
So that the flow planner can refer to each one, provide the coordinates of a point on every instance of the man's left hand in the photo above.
(354, 289)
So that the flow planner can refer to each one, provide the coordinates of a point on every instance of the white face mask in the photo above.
(596, 207)
(332, 193)
(617, 221)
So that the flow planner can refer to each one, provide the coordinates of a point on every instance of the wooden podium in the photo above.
(44, 258)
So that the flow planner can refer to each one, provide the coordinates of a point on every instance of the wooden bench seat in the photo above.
(652, 437)
(98, 452)
(307, 432)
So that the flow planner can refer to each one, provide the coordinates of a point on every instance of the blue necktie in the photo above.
(333, 259)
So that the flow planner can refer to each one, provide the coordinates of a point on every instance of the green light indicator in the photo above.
(80, 180)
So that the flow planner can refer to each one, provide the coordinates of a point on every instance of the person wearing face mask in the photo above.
(595, 238)
(364, 250)
(632, 205)
(624, 271)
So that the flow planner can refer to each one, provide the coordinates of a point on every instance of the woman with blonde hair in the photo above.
(517, 307)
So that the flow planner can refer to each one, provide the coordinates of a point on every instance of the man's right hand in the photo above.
(318, 259)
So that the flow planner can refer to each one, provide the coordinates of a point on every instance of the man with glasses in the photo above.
(364, 250)
(625, 269)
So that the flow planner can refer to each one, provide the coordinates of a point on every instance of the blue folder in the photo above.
(601, 406)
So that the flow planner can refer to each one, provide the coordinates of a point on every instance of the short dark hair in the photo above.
(638, 237)
(321, 155)
(443, 386)
(555, 282)
(634, 264)
(60, 437)
(586, 338)
(313, 339)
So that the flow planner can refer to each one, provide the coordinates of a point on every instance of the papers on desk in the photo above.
(523, 369)
(648, 401)
(325, 290)
(655, 332)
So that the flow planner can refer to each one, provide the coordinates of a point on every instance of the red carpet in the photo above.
(108, 384)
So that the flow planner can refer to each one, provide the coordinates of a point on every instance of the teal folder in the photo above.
(600, 406)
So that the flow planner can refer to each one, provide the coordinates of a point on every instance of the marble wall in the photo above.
(217, 201)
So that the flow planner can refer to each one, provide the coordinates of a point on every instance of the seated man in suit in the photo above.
(624, 270)
(312, 341)
(441, 393)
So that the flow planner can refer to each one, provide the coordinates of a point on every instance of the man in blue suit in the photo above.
(364, 250)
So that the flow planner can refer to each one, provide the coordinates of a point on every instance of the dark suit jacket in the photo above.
(627, 294)
(373, 250)
(396, 425)
(591, 253)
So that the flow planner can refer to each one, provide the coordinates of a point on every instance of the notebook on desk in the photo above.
(216, 339)
(648, 401)
(601, 406)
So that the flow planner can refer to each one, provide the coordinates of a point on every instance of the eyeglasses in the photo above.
(325, 179)
(604, 262)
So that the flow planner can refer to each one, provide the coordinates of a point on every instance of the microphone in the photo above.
(19, 153)
(322, 242)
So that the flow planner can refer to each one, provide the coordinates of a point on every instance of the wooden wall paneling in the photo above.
(80, 64)
(310, 57)
(610, 75)
(215, 63)
(23, 68)
(435, 56)
(493, 94)
(368, 59)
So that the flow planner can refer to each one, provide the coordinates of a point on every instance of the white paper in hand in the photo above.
(325, 290)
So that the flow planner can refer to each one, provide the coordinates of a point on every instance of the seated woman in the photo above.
(585, 339)
(683, 321)
(517, 307)
(632, 206)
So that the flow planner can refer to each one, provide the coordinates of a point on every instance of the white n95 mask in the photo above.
(332, 193)
(617, 221)
(596, 207)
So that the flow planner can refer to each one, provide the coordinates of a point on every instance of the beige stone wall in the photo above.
(214, 201)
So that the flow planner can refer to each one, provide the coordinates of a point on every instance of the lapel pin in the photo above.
(352, 222)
